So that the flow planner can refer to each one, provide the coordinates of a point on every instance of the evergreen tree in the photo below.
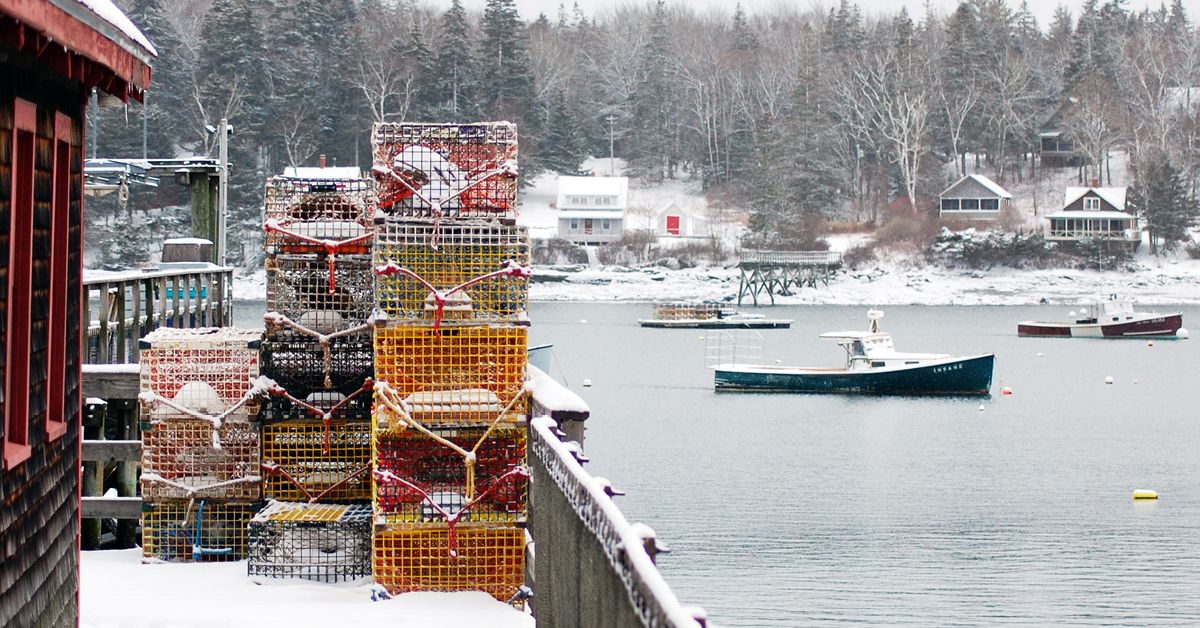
(507, 87)
(418, 62)
(649, 146)
(562, 144)
(1160, 196)
(455, 73)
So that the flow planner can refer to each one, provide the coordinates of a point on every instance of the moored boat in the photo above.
(1110, 318)
(709, 316)
(873, 366)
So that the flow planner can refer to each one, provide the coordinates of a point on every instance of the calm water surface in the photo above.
(791, 509)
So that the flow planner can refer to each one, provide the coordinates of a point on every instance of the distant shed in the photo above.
(974, 197)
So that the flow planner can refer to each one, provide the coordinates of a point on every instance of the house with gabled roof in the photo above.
(675, 221)
(591, 210)
(973, 197)
(1094, 213)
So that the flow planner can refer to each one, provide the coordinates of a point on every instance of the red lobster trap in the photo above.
(474, 271)
(330, 216)
(472, 474)
(458, 170)
(195, 459)
(199, 373)
(322, 542)
(488, 557)
(195, 530)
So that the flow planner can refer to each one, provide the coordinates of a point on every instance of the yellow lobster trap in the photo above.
(313, 460)
(457, 271)
(195, 530)
(488, 557)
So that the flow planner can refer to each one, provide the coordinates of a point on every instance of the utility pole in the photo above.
(145, 102)
(223, 203)
(611, 167)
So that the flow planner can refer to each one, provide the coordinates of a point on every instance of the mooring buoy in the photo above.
(1145, 493)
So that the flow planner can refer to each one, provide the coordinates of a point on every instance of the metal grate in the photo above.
(323, 542)
(324, 298)
(208, 370)
(195, 530)
(488, 557)
(190, 458)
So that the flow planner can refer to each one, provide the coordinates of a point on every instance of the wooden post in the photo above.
(93, 475)
(105, 305)
(122, 330)
(127, 471)
(205, 220)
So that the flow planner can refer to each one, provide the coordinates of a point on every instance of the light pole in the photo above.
(223, 204)
(611, 167)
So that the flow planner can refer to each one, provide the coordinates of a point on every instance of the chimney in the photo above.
(321, 161)
(1095, 182)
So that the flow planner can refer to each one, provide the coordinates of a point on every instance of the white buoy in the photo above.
(1040, 354)
(1108, 380)
(1149, 343)
(981, 407)
(1135, 381)
(779, 361)
(1145, 493)
(1182, 333)
(1071, 314)
(583, 321)
(587, 383)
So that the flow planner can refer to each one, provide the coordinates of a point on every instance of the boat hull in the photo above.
(959, 376)
(716, 324)
(1164, 326)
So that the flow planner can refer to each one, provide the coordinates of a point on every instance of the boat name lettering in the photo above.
(948, 367)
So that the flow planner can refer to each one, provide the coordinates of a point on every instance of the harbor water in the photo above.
(784, 510)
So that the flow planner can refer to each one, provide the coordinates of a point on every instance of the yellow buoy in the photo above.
(1145, 493)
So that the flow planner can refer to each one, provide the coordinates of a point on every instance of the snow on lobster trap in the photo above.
(323, 542)
(472, 474)
(455, 376)
(195, 530)
(462, 270)
(315, 460)
(318, 296)
(193, 458)
(330, 216)
(458, 170)
(468, 556)
(209, 373)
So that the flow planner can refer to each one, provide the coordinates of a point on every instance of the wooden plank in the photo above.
(111, 450)
(111, 508)
(109, 384)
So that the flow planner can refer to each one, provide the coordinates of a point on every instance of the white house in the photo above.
(1094, 213)
(591, 210)
(974, 197)
(674, 221)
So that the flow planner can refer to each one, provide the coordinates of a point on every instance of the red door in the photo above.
(673, 225)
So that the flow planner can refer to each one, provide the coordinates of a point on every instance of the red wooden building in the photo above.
(52, 53)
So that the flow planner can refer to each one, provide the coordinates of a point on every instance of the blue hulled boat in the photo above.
(873, 367)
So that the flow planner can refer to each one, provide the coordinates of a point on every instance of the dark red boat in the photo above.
(1111, 318)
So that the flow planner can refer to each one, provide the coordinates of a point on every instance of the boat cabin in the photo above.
(1112, 310)
(875, 349)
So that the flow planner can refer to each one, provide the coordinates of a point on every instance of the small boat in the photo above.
(1107, 318)
(709, 316)
(873, 367)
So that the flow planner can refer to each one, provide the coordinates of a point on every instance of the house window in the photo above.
(605, 224)
(574, 224)
(673, 224)
(989, 204)
(578, 200)
(20, 266)
(1091, 202)
(601, 201)
(950, 205)
(970, 204)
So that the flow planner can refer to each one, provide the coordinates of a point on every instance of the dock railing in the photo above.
(120, 308)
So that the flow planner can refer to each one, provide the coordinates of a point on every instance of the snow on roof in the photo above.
(851, 335)
(617, 187)
(1114, 196)
(1092, 213)
(683, 209)
(187, 241)
(614, 214)
(109, 12)
(338, 172)
(987, 183)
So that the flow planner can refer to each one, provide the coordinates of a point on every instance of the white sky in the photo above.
(1043, 9)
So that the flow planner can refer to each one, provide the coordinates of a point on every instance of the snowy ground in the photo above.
(118, 591)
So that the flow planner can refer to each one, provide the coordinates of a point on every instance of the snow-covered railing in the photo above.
(792, 258)
(120, 308)
(577, 529)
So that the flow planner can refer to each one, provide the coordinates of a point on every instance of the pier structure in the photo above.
(778, 272)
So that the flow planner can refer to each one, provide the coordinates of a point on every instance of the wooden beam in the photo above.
(105, 382)
(111, 508)
(112, 450)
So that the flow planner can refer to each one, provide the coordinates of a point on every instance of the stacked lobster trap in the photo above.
(200, 482)
(451, 289)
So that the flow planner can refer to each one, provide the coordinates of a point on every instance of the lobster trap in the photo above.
(461, 270)
(192, 458)
(313, 460)
(305, 366)
(191, 372)
(317, 294)
(333, 216)
(323, 542)
(488, 557)
(195, 530)
(473, 474)
(459, 170)
(455, 375)
(282, 405)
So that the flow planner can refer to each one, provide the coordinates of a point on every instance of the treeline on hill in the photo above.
(802, 114)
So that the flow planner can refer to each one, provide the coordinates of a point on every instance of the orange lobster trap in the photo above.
(195, 459)
(458, 375)
(474, 271)
(195, 530)
(317, 461)
(473, 474)
(458, 170)
(331, 216)
(318, 297)
(322, 542)
(199, 373)
(488, 557)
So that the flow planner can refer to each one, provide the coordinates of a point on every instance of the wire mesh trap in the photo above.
(282, 405)
(323, 542)
(461, 170)
(313, 460)
(316, 295)
(191, 458)
(195, 530)
(207, 371)
(488, 557)
(334, 216)
(460, 270)
(418, 477)
(304, 366)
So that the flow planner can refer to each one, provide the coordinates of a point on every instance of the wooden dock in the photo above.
(778, 272)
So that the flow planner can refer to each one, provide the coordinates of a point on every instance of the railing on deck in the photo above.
(791, 258)
(120, 308)
(589, 563)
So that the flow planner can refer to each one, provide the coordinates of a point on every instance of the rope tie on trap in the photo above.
(332, 248)
(326, 416)
(279, 320)
(274, 469)
(259, 387)
(440, 297)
